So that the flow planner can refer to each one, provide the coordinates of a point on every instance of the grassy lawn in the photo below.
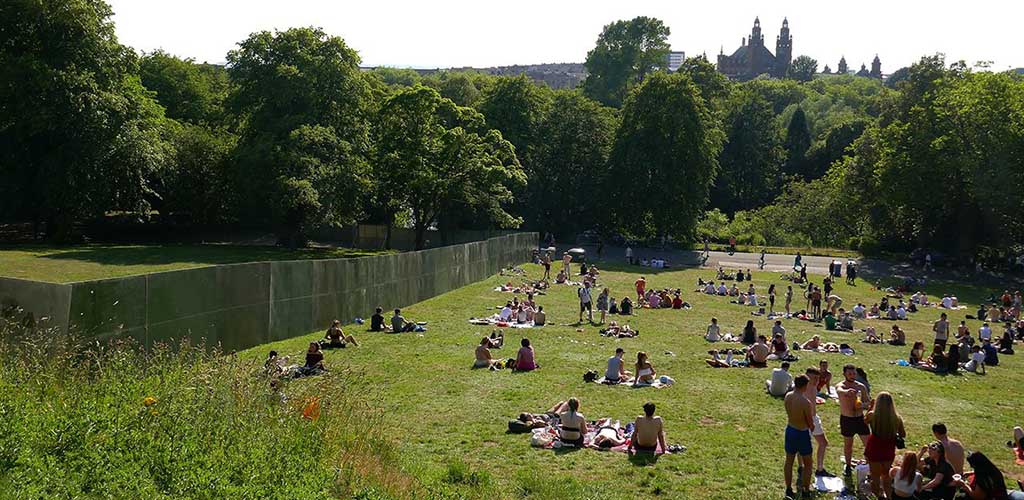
(89, 262)
(449, 421)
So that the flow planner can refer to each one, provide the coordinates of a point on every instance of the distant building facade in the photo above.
(752, 58)
(675, 60)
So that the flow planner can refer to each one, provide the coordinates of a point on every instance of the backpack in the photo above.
(590, 376)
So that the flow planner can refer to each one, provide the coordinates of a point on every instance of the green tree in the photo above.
(832, 147)
(714, 86)
(568, 163)
(79, 135)
(798, 141)
(626, 52)
(663, 160)
(435, 157)
(752, 156)
(515, 106)
(305, 106)
(188, 91)
(196, 181)
(803, 69)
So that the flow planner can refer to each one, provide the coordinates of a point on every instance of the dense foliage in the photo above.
(292, 135)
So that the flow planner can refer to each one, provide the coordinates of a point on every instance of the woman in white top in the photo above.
(644, 369)
(714, 333)
(906, 480)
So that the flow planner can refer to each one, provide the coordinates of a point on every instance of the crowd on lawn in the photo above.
(935, 471)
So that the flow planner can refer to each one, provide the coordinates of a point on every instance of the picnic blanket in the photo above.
(657, 384)
(547, 438)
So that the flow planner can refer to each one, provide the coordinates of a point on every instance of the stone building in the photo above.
(752, 58)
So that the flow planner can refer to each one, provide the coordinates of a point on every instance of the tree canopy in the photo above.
(626, 52)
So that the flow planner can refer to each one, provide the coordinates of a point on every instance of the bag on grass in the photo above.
(541, 438)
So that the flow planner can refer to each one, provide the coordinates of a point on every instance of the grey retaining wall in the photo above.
(242, 305)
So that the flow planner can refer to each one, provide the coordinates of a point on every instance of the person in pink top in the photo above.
(524, 360)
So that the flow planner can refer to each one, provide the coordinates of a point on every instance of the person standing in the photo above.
(641, 288)
(771, 299)
(789, 299)
(602, 303)
(629, 254)
(818, 433)
(586, 302)
(546, 261)
(760, 263)
(732, 245)
(852, 395)
(941, 329)
(800, 425)
(566, 260)
(886, 431)
(798, 262)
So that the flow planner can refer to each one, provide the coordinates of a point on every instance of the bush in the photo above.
(117, 421)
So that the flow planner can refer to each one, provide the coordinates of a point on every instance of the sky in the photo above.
(458, 33)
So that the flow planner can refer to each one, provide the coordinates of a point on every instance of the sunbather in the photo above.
(335, 337)
(609, 434)
(572, 424)
(483, 354)
(644, 370)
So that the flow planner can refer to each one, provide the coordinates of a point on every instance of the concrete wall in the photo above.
(34, 302)
(372, 236)
(242, 305)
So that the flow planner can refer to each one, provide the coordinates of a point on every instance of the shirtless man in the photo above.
(800, 414)
(566, 260)
(954, 449)
(649, 434)
(818, 433)
(641, 288)
(825, 378)
(852, 395)
(757, 356)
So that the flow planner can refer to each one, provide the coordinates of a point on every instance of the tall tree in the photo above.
(803, 69)
(752, 157)
(568, 163)
(664, 159)
(436, 157)
(626, 52)
(79, 135)
(714, 86)
(188, 91)
(515, 105)
(304, 104)
(798, 141)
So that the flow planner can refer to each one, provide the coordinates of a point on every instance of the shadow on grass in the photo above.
(201, 254)
(643, 459)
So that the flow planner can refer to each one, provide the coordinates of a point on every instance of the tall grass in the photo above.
(115, 420)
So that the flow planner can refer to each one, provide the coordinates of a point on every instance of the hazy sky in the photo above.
(455, 33)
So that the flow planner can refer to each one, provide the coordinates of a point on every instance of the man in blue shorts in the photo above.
(799, 411)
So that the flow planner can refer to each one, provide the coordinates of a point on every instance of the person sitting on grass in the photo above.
(938, 471)
(506, 313)
(749, 333)
(314, 361)
(781, 381)
(986, 482)
(936, 362)
(709, 288)
(859, 311)
(870, 336)
(525, 360)
(757, 355)
(977, 362)
(336, 338)
(713, 333)
(399, 324)
(540, 317)
(722, 289)
(626, 307)
(824, 378)
(953, 359)
(830, 321)
(377, 323)
(572, 425)
(677, 301)
(991, 354)
(497, 339)
(483, 354)
(621, 332)
(616, 371)
(648, 432)
(897, 336)
(906, 480)
(644, 370)
(917, 353)
(845, 321)
(613, 306)
(779, 347)
(1006, 341)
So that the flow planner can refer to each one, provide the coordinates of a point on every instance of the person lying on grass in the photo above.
(622, 332)
(609, 434)
(336, 338)
(813, 344)
(648, 432)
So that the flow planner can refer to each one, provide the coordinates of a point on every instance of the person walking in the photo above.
(586, 302)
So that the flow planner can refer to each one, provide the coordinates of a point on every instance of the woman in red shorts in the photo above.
(886, 428)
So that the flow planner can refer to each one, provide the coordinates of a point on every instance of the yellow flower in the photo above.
(149, 401)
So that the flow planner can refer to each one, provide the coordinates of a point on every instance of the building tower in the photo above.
(783, 50)
(827, 70)
(754, 62)
(876, 68)
(843, 69)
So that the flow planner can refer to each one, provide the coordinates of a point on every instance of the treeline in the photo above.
(290, 135)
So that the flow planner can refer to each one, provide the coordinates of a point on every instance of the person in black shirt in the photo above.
(377, 323)
(939, 471)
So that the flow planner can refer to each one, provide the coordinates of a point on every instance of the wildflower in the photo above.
(149, 401)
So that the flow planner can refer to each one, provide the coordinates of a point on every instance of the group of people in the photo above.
(934, 472)
(524, 361)
(645, 435)
(616, 372)
(604, 303)
(524, 312)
